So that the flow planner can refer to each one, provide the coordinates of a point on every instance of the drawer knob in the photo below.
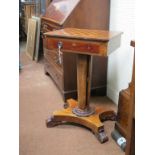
(73, 44)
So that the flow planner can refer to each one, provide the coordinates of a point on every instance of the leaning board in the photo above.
(36, 55)
(31, 38)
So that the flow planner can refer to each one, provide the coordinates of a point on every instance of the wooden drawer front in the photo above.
(55, 73)
(75, 46)
(52, 56)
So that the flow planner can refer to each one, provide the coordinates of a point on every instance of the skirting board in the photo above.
(113, 94)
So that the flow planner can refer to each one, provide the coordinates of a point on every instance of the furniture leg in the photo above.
(83, 86)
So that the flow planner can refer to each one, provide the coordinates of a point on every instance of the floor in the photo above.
(38, 98)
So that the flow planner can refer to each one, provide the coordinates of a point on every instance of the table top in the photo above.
(84, 34)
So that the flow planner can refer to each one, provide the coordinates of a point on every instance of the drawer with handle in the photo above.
(76, 46)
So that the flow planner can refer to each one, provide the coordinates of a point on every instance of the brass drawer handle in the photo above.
(60, 44)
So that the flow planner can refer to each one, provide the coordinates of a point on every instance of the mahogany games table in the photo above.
(85, 43)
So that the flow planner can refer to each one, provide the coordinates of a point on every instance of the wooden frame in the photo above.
(36, 55)
(31, 38)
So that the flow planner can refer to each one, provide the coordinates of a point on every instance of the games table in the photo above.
(85, 43)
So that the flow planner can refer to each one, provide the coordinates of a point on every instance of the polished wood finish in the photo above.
(31, 38)
(92, 122)
(83, 34)
(29, 11)
(78, 16)
(84, 41)
(81, 112)
(122, 113)
(82, 66)
(72, 46)
(57, 15)
(121, 124)
(125, 123)
(130, 148)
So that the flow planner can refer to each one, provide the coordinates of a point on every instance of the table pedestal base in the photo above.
(93, 122)
(83, 113)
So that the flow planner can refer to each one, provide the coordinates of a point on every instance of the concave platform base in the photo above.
(92, 122)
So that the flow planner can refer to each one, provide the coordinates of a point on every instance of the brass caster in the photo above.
(66, 105)
(102, 137)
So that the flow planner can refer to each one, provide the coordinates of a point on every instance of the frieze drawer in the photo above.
(75, 45)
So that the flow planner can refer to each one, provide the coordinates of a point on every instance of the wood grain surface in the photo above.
(84, 41)
(31, 38)
(84, 34)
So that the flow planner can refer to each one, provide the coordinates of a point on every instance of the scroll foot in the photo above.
(50, 122)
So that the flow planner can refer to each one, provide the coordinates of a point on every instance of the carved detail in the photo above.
(108, 115)
(50, 122)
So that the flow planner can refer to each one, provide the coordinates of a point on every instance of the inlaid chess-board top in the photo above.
(83, 41)
(84, 34)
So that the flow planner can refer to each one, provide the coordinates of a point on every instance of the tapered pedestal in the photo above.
(85, 43)
(92, 122)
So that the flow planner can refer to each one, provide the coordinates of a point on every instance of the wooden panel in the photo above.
(55, 73)
(37, 38)
(84, 34)
(90, 14)
(125, 123)
(46, 27)
(76, 46)
(29, 11)
(130, 148)
(59, 10)
(82, 80)
(99, 75)
(52, 56)
(122, 113)
(31, 38)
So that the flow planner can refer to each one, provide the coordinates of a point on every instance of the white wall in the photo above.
(120, 61)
